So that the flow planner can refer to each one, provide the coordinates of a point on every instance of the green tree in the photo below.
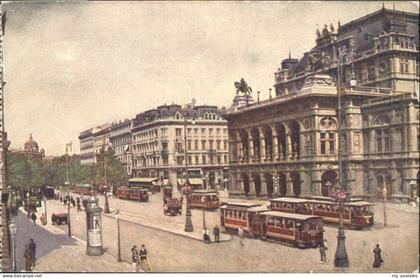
(115, 172)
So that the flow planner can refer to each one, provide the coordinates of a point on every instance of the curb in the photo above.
(160, 229)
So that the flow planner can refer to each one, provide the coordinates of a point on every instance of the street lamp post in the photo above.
(27, 204)
(187, 188)
(106, 209)
(12, 229)
(341, 257)
(384, 201)
(68, 219)
(44, 199)
(117, 217)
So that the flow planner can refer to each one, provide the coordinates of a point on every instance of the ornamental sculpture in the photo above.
(243, 87)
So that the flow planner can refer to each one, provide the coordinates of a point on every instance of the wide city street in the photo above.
(170, 249)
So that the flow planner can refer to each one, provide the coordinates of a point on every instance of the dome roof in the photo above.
(31, 145)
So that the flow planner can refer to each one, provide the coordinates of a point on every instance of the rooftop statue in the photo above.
(243, 87)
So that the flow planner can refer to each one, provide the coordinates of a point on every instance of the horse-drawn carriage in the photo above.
(171, 206)
(59, 218)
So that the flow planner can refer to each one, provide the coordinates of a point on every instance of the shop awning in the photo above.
(143, 180)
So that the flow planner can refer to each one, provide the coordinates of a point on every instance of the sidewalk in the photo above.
(399, 206)
(68, 253)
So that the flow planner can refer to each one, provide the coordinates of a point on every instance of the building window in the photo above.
(189, 145)
(196, 132)
(188, 131)
(204, 159)
(211, 144)
(225, 159)
(224, 131)
(203, 132)
(383, 141)
(189, 160)
(196, 159)
(404, 66)
(327, 142)
(217, 131)
(218, 144)
(178, 131)
(219, 159)
(195, 144)
(210, 132)
(225, 145)
(203, 144)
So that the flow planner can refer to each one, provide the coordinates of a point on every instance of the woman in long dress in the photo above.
(377, 257)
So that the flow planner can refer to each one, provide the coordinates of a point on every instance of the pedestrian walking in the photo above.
(27, 256)
(32, 248)
(216, 233)
(134, 259)
(61, 198)
(322, 248)
(377, 257)
(143, 257)
(78, 207)
(33, 218)
(241, 236)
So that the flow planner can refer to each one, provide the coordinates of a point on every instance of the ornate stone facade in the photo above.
(288, 145)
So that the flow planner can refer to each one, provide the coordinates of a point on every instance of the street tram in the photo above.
(171, 206)
(258, 221)
(291, 205)
(356, 214)
(298, 230)
(85, 189)
(235, 215)
(204, 199)
(133, 193)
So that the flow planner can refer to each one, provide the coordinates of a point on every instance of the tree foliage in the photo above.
(24, 173)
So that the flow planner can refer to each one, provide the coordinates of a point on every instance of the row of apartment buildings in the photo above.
(155, 143)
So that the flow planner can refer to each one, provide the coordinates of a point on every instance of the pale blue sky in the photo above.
(70, 66)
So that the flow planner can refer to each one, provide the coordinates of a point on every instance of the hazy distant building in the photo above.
(288, 144)
(120, 139)
(30, 151)
(86, 147)
(92, 141)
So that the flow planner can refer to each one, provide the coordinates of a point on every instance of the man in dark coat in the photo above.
(32, 248)
(322, 248)
(216, 232)
(28, 258)
(377, 257)
(143, 257)
(134, 259)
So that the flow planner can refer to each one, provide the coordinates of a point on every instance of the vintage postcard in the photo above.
(210, 137)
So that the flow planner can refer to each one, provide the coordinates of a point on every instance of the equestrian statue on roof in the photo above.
(243, 87)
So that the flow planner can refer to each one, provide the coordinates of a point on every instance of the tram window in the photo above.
(289, 224)
(270, 222)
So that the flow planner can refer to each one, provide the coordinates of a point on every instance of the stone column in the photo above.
(263, 153)
(289, 154)
(263, 191)
(289, 185)
(275, 145)
(251, 154)
(251, 186)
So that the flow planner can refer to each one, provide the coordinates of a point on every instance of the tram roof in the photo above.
(204, 192)
(239, 204)
(289, 215)
(290, 200)
(356, 203)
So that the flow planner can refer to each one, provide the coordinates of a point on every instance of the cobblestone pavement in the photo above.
(172, 252)
(57, 252)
